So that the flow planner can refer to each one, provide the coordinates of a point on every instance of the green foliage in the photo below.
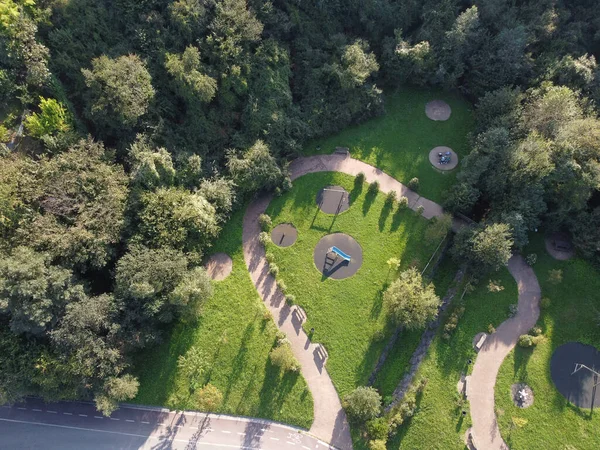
(116, 390)
(209, 397)
(483, 249)
(362, 405)
(452, 321)
(190, 82)
(192, 366)
(53, 118)
(373, 188)
(265, 222)
(120, 91)
(256, 170)
(151, 167)
(378, 444)
(531, 259)
(439, 228)
(525, 341)
(283, 357)
(555, 276)
(264, 238)
(378, 429)
(413, 184)
(411, 303)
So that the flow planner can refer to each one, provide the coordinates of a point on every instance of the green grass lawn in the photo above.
(236, 340)
(571, 316)
(348, 315)
(399, 141)
(438, 423)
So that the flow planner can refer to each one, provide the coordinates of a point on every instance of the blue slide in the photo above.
(340, 253)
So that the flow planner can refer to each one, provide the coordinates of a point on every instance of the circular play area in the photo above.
(338, 256)
(575, 371)
(333, 199)
(284, 235)
(560, 246)
(438, 110)
(219, 266)
(443, 158)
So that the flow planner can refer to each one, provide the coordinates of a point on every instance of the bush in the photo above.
(535, 331)
(491, 329)
(413, 184)
(282, 286)
(555, 276)
(531, 259)
(209, 398)
(525, 341)
(360, 178)
(545, 303)
(513, 309)
(267, 315)
(363, 404)
(274, 269)
(270, 257)
(264, 238)
(4, 134)
(402, 202)
(378, 444)
(290, 299)
(373, 188)
(265, 222)
(283, 357)
(420, 209)
(452, 322)
(390, 198)
(378, 429)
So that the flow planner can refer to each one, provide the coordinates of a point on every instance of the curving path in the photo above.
(480, 387)
(330, 423)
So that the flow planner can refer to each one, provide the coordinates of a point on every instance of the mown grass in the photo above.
(236, 339)
(348, 315)
(399, 141)
(552, 423)
(438, 423)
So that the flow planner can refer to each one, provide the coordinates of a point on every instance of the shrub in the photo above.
(4, 134)
(378, 444)
(265, 222)
(283, 357)
(491, 329)
(373, 188)
(545, 303)
(360, 178)
(274, 269)
(525, 341)
(413, 184)
(420, 209)
(555, 276)
(402, 202)
(362, 404)
(290, 299)
(264, 238)
(420, 387)
(535, 331)
(452, 322)
(267, 315)
(531, 259)
(270, 257)
(390, 198)
(378, 429)
(282, 286)
(209, 398)
(513, 309)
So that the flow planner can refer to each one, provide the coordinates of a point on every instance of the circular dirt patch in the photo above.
(438, 157)
(284, 235)
(333, 199)
(438, 110)
(219, 266)
(559, 246)
(522, 395)
(332, 265)
(578, 387)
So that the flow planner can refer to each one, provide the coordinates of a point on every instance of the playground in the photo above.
(337, 269)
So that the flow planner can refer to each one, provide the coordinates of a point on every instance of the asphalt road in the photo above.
(78, 426)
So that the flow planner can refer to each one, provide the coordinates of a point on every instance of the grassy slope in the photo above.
(438, 424)
(552, 423)
(237, 342)
(347, 314)
(399, 141)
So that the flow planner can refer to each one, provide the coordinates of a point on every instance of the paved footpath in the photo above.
(78, 426)
(480, 387)
(330, 423)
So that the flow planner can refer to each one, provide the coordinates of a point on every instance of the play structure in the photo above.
(338, 256)
(333, 200)
(443, 158)
(284, 235)
(337, 252)
(573, 369)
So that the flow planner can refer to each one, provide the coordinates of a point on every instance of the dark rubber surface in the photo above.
(337, 268)
(577, 388)
(284, 235)
(331, 201)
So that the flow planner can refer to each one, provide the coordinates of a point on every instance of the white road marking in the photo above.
(291, 443)
(226, 432)
(158, 438)
(51, 412)
(98, 417)
(82, 415)
(68, 414)
(36, 410)
(242, 434)
(307, 448)
(145, 423)
(274, 439)
(114, 418)
(129, 420)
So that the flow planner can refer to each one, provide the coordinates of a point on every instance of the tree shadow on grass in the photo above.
(239, 362)
(385, 212)
(275, 390)
(356, 190)
(369, 200)
(377, 305)
(521, 359)
(397, 219)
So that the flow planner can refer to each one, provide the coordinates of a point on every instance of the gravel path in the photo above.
(480, 387)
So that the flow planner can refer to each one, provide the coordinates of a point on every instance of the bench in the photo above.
(342, 151)
(339, 253)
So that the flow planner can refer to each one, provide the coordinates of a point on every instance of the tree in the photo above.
(51, 119)
(256, 170)
(174, 217)
(190, 82)
(362, 404)
(411, 303)
(116, 389)
(358, 64)
(151, 167)
(283, 357)
(33, 292)
(191, 292)
(438, 228)
(120, 91)
(484, 249)
(209, 398)
(220, 193)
